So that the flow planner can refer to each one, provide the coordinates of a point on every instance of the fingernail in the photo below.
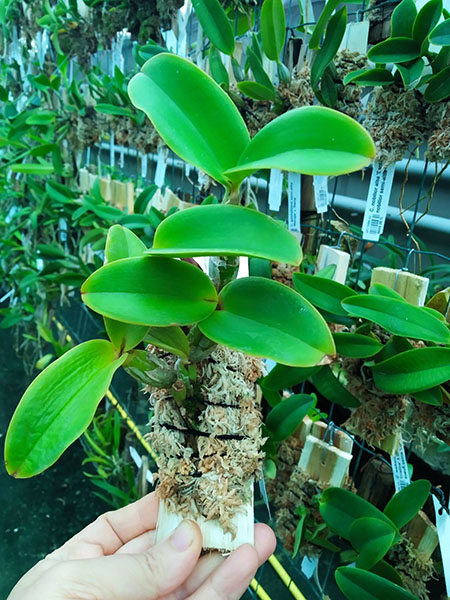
(183, 536)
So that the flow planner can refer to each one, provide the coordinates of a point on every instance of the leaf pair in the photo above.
(200, 123)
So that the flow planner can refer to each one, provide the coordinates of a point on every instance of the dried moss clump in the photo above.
(415, 570)
(210, 445)
(298, 92)
(439, 139)
(256, 114)
(349, 96)
(428, 421)
(288, 456)
(395, 118)
(380, 415)
(283, 272)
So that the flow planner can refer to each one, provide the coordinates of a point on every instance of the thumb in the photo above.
(146, 576)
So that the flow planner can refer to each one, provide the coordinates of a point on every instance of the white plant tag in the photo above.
(275, 189)
(377, 201)
(321, 193)
(294, 201)
(443, 529)
(161, 165)
(144, 166)
(263, 492)
(400, 468)
(356, 37)
(309, 566)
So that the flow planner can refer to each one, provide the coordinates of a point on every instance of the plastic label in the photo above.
(377, 201)
(400, 468)
(161, 165)
(321, 193)
(275, 189)
(294, 201)
(309, 566)
(443, 529)
(356, 37)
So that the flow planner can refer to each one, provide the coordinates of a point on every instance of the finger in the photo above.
(232, 578)
(205, 566)
(111, 531)
(141, 543)
(147, 576)
(265, 542)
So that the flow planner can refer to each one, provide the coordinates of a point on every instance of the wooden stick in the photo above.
(214, 537)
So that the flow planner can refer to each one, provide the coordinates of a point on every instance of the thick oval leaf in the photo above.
(184, 103)
(282, 377)
(112, 109)
(370, 77)
(384, 569)
(356, 584)
(313, 140)
(58, 406)
(323, 293)
(406, 503)
(42, 168)
(411, 72)
(355, 345)
(266, 318)
(402, 20)
(215, 23)
(273, 28)
(288, 415)
(431, 396)
(122, 243)
(150, 291)
(441, 34)
(124, 336)
(340, 508)
(333, 38)
(225, 230)
(394, 50)
(322, 21)
(427, 17)
(438, 88)
(332, 389)
(372, 538)
(398, 317)
(379, 289)
(256, 90)
(217, 68)
(172, 339)
(413, 371)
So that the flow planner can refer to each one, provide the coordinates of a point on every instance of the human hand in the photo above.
(115, 558)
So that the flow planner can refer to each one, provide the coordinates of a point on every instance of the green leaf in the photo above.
(217, 68)
(215, 23)
(438, 88)
(124, 336)
(384, 569)
(273, 28)
(42, 117)
(333, 38)
(396, 50)
(265, 318)
(313, 140)
(225, 230)
(370, 77)
(402, 19)
(142, 201)
(150, 291)
(357, 583)
(426, 19)
(287, 416)
(122, 243)
(332, 389)
(282, 377)
(340, 508)
(441, 60)
(379, 289)
(372, 538)
(413, 371)
(172, 339)
(112, 109)
(431, 396)
(49, 251)
(355, 345)
(256, 90)
(58, 406)
(411, 72)
(255, 64)
(41, 168)
(323, 293)
(398, 317)
(299, 534)
(321, 24)
(441, 34)
(184, 103)
(406, 503)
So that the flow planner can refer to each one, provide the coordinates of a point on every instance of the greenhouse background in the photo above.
(83, 156)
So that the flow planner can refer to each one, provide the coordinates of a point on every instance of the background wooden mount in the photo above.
(413, 288)
(333, 256)
(423, 534)
(377, 484)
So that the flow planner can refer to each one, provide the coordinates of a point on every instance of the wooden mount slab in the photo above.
(423, 534)
(333, 256)
(413, 288)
